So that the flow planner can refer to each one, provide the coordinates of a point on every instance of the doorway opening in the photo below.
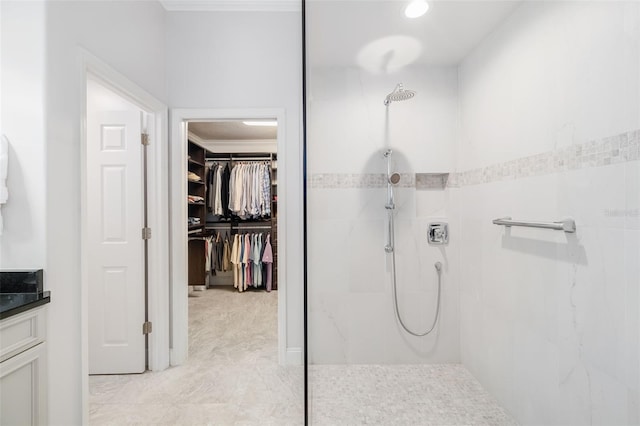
(232, 250)
(219, 140)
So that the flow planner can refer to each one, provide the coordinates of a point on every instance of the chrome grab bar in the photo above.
(566, 225)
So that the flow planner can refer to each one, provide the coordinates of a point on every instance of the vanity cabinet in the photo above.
(23, 364)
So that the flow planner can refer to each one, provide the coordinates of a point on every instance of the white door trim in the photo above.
(178, 186)
(158, 254)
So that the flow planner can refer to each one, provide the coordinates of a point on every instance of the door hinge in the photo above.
(144, 138)
(146, 327)
(146, 233)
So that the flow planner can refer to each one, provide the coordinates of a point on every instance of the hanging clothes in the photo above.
(235, 260)
(217, 202)
(219, 252)
(246, 260)
(251, 258)
(267, 259)
(212, 254)
(207, 253)
(250, 190)
(226, 254)
(226, 176)
(210, 194)
(240, 254)
(264, 265)
(257, 261)
(217, 188)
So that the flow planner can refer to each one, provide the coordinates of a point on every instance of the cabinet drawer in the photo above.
(21, 332)
(23, 384)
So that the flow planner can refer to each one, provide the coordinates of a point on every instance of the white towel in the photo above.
(4, 168)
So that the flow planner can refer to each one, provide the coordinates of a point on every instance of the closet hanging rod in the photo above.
(240, 228)
(236, 160)
(237, 227)
(253, 157)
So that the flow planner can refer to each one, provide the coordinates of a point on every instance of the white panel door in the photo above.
(116, 249)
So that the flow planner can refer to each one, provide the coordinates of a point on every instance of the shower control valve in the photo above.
(438, 233)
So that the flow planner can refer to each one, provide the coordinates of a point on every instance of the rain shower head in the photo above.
(399, 94)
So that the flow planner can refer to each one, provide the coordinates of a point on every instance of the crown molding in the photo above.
(237, 145)
(232, 5)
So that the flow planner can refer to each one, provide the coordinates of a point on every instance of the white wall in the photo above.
(350, 303)
(101, 98)
(551, 103)
(128, 36)
(248, 60)
(23, 242)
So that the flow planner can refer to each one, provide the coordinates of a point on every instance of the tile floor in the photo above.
(232, 377)
(434, 394)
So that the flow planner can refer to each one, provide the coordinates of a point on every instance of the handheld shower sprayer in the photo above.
(393, 178)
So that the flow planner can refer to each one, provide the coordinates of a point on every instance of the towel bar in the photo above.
(566, 225)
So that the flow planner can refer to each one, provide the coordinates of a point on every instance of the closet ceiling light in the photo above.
(416, 9)
(261, 123)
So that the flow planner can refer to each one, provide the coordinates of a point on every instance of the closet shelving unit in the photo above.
(235, 225)
(196, 158)
(195, 165)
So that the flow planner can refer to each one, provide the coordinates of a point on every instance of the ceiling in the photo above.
(231, 130)
(368, 32)
(375, 33)
(233, 5)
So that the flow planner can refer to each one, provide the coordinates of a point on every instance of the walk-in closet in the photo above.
(232, 205)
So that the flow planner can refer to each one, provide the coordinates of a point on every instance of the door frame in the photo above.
(178, 190)
(157, 202)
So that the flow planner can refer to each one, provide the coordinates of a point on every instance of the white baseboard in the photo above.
(294, 356)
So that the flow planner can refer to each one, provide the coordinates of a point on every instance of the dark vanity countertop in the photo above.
(15, 303)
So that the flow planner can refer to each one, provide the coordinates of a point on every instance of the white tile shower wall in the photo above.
(549, 321)
(348, 126)
(351, 316)
(553, 75)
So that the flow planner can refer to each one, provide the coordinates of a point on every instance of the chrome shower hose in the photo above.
(390, 248)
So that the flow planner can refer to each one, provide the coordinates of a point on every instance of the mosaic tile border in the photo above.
(616, 149)
(611, 150)
(355, 180)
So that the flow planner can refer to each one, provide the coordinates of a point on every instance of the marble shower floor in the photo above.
(232, 377)
(434, 394)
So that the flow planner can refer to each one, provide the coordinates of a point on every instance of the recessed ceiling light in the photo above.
(261, 123)
(416, 9)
